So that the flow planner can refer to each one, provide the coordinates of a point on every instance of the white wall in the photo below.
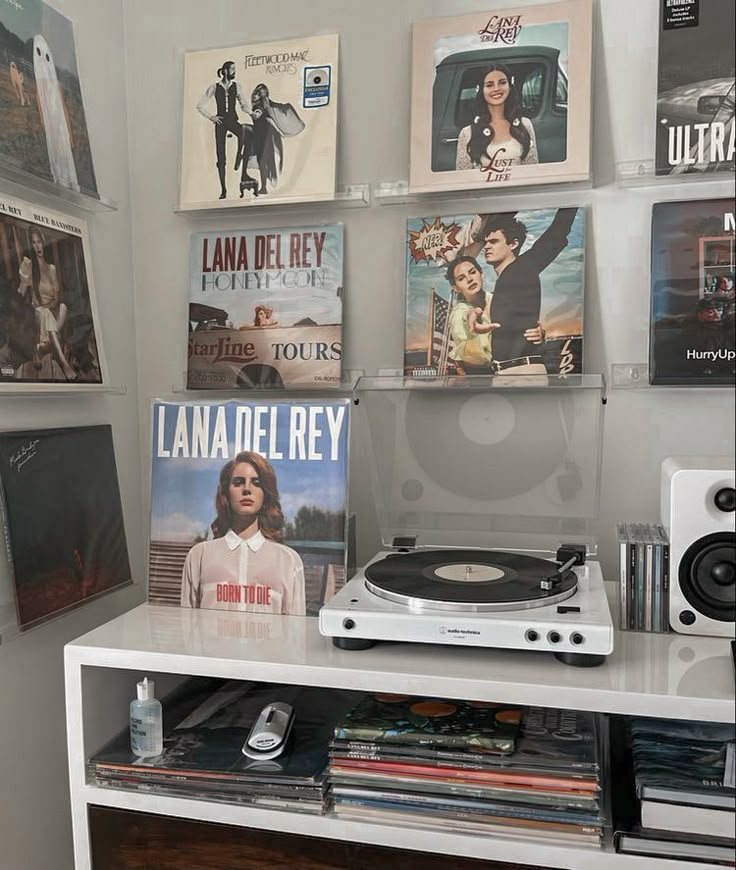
(140, 262)
(35, 826)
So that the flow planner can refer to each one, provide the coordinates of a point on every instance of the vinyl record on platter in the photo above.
(501, 446)
(473, 580)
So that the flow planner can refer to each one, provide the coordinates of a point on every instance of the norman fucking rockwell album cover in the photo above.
(260, 123)
(693, 305)
(501, 98)
(695, 87)
(248, 505)
(63, 519)
(265, 308)
(495, 293)
(49, 326)
(43, 129)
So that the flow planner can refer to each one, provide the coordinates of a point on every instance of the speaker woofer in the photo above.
(708, 576)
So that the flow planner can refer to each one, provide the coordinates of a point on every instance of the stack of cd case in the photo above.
(644, 573)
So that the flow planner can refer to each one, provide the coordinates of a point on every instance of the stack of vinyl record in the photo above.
(679, 799)
(473, 766)
(644, 576)
(205, 727)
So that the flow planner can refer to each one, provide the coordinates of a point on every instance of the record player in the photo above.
(487, 490)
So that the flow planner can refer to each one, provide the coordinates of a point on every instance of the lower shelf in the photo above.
(424, 839)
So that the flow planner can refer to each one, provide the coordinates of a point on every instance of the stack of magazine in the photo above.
(472, 766)
(644, 576)
(676, 789)
(205, 727)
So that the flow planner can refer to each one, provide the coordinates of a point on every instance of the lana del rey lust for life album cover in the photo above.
(696, 93)
(49, 326)
(260, 123)
(495, 293)
(63, 519)
(44, 129)
(265, 308)
(248, 505)
(693, 304)
(501, 97)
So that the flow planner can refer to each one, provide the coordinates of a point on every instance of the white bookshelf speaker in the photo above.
(698, 501)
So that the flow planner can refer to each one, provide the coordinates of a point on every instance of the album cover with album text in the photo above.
(248, 505)
(260, 123)
(63, 519)
(265, 308)
(495, 293)
(501, 98)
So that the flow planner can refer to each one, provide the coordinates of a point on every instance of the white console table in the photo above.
(669, 676)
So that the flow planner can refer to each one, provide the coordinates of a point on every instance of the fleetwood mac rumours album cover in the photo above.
(248, 504)
(265, 308)
(502, 98)
(260, 123)
(63, 519)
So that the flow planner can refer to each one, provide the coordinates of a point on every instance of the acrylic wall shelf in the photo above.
(26, 186)
(29, 390)
(345, 196)
(399, 193)
(640, 173)
(635, 376)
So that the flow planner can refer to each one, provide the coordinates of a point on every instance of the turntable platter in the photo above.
(469, 580)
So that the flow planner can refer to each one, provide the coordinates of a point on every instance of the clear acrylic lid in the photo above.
(500, 462)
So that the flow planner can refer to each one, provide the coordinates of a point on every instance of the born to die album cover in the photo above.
(260, 124)
(501, 98)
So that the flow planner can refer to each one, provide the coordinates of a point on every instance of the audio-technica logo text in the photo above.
(461, 631)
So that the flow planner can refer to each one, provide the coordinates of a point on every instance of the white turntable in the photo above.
(476, 479)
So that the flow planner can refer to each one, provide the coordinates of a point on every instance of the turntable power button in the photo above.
(348, 624)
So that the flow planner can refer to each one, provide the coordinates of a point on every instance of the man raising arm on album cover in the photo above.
(517, 295)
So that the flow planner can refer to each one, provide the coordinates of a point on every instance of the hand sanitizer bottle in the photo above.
(146, 721)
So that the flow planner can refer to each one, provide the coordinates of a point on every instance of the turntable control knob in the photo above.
(347, 624)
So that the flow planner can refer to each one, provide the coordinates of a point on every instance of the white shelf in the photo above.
(345, 196)
(430, 838)
(666, 675)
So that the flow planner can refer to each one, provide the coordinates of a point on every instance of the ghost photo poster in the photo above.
(43, 128)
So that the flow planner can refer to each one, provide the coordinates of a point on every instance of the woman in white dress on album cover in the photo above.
(246, 567)
(499, 135)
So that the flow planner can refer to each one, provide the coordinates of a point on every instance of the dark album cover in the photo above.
(265, 308)
(44, 129)
(501, 97)
(495, 293)
(695, 87)
(49, 327)
(63, 519)
(432, 722)
(693, 304)
(248, 505)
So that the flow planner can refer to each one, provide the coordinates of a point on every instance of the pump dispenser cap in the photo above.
(145, 689)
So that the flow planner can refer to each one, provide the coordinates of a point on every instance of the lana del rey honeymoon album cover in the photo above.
(501, 97)
(696, 92)
(265, 308)
(248, 504)
(260, 123)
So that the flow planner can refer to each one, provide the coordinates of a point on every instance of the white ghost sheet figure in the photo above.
(53, 115)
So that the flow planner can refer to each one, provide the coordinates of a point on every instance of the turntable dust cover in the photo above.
(495, 293)
(501, 98)
(695, 87)
(265, 308)
(692, 336)
(49, 325)
(63, 519)
(248, 505)
(44, 129)
(260, 123)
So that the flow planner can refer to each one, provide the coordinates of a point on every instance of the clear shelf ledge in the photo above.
(399, 192)
(641, 173)
(30, 390)
(318, 391)
(25, 185)
(635, 376)
(345, 196)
